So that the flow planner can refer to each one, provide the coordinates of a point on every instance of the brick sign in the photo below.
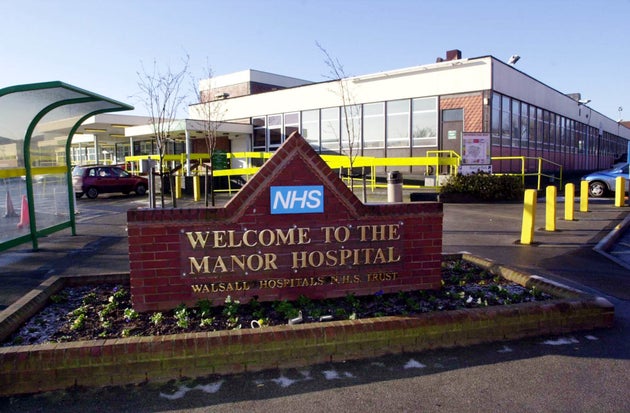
(294, 229)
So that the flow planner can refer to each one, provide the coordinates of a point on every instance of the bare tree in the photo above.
(162, 98)
(351, 113)
(212, 113)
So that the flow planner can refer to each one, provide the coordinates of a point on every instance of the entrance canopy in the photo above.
(35, 176)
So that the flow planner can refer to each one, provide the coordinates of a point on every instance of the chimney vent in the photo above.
(454, 54)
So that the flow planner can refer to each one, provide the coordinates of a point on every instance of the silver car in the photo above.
(601, 183)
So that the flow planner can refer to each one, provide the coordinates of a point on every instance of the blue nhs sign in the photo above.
(297, 199)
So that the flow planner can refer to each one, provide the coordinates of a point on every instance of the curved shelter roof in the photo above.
(35, 157)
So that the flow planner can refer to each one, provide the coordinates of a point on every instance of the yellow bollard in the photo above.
(584, 196)
(620, 191)
(178, 186)
(550, 221)
(529, 217)
(569, 202)
(196, 188)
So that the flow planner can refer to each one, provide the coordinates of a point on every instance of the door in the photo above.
(452, 129)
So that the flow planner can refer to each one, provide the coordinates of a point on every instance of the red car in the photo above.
(94, 180)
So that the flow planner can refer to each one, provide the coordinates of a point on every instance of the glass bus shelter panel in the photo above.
(11, 190)
(50, 196)
(48, 162)
(17, 110)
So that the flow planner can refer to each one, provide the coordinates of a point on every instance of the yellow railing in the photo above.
(434, 159)
(434, 162)
(541, 165)
(40, 170)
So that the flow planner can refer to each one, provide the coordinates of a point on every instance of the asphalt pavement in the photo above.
(581, 372)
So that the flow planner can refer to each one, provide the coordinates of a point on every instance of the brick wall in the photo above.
(162, 275)
(36, 368)
(473, 109)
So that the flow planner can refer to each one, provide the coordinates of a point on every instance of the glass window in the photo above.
(452, 115)
(274, 123)
(532, 130)
(374, 125)
(506, 127)
(259, 133)
(330, 129)
(291, 123)
(351, 128)
(291, 118)
(546, 135)
(310, 128)
(516, 127)
(539, 131)
(496, 119)
(398, 124)
(524, 125)
(424, 122)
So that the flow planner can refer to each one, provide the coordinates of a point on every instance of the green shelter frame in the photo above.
(37, 124)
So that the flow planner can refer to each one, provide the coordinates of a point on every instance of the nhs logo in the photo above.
(297, 199)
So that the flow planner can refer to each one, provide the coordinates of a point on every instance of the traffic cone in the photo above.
(25, 219)
(10, 211)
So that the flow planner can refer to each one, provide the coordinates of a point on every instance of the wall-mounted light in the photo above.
(583, 101)
(513, 59)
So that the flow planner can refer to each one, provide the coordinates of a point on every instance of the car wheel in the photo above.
(92, 193)
(78, 194)
(597, 189)
(141, 190)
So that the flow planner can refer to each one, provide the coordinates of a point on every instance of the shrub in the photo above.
(486, 187)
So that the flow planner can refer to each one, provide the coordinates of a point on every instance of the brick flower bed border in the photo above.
(43, 367)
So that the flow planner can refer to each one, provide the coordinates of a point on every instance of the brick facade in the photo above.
(473, 109)
(352, 248)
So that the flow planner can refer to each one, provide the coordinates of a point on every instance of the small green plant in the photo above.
(107, 310)
(206, 322)
(231, 306)
(119, 296)
(304, 302)
(78, 323)
(80, 311)
(89, 299)
(341, 313)
(156, 318)
(181, 315)
(62, 297)
(126, 332)
(353, 301)
(120, 293)
(204, 307)
(230, 310)
(285, 309)
(130, 314)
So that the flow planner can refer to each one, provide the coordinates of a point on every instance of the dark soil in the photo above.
(104, 311)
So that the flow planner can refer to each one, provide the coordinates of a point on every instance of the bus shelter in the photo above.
(35, 174)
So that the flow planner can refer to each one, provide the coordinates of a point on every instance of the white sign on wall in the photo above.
(476, 153)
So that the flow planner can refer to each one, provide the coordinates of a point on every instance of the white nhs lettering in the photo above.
(309, 199)
(295, 200)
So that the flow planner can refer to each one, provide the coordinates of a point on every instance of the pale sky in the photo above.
(572, 46)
